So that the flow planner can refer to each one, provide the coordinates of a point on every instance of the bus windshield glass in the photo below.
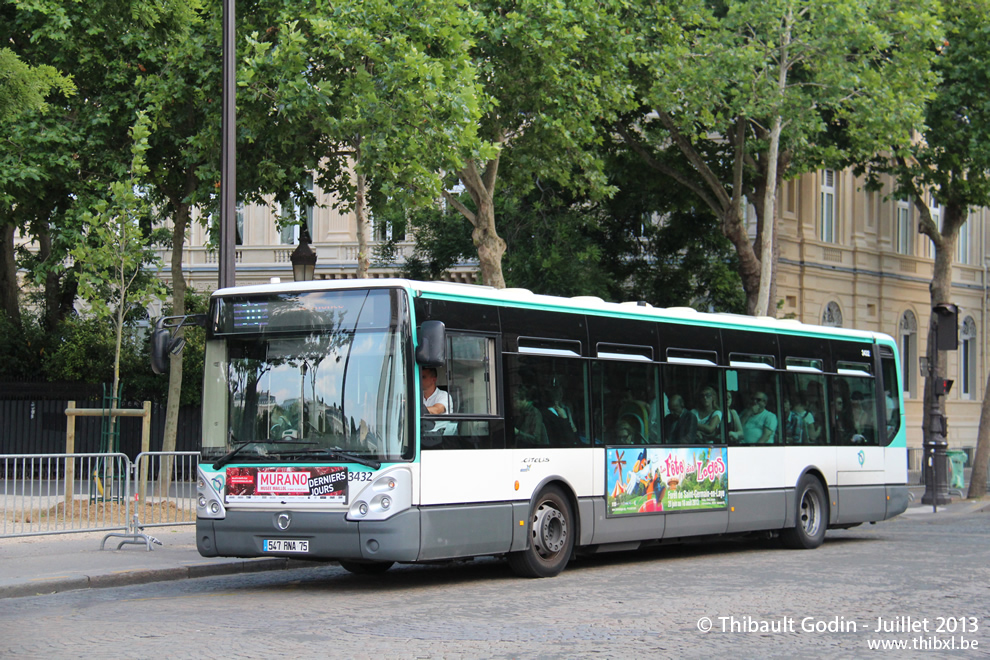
(308, 377)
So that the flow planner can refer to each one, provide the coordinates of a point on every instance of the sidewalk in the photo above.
(35, 565)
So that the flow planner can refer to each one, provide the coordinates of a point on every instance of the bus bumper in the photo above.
(330, 535)
(897, 500)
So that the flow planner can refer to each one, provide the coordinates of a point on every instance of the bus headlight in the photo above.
(209, 501)
(390, 493)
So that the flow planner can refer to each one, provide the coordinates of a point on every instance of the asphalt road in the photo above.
(919, 581)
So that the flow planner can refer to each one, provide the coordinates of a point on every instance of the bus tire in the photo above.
(366, 567)
(551, 542)
(810, 516)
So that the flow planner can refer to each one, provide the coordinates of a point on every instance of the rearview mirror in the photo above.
(432, 349)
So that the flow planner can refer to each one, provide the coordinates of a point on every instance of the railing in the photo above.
(64, 493)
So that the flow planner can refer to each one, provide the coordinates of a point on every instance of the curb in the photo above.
(146, 576)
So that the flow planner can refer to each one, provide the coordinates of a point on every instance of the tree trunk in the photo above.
(8, 276)
(940, 289)
(180, 222)
(361, 210)
(485, 236)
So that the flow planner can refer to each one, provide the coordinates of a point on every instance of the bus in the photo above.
(569, 426)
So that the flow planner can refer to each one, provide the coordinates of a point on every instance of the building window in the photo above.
(832, 316)
(290, 216)
(828, 206)
(936, 211)
(909, 351)
(962, 243)
(239, 238)
(903, 228)
(967, 359)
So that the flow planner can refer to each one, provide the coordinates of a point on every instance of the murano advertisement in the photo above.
(666, 479)
(287, 484)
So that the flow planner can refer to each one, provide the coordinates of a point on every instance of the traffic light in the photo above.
(943, 386)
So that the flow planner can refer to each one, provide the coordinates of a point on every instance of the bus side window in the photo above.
(469, 379)
(758, 407)
(696, 390)
(891, 393)
(804, 412)
(854, 410)
(625, 404)
(546, 402)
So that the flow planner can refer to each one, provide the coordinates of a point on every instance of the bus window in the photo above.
(755, 399)
(546, 401)
(891, 392)
(697, 391)
(804, 414)
(469, 381)
(854, 409)
(625, 405)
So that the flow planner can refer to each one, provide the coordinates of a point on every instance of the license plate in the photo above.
(286, 545)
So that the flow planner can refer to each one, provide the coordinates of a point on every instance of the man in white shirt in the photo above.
(437, 401)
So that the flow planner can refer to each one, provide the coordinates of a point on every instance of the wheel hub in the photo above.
(549, 530)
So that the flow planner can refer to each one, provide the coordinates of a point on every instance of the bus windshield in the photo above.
(308, 377)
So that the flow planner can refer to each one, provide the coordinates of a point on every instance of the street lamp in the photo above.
(303, 258)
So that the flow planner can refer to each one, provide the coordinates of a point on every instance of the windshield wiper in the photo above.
(226, 458)
(338, 454)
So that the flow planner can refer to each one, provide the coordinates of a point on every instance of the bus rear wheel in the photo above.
(366, 567)
(551, 542)
(811, 516)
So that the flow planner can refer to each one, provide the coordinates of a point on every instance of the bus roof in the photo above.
(586, 304)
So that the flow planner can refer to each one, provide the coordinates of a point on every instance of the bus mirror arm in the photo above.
(432, 348)
(164, 344)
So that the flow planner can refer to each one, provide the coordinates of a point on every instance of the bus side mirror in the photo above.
(160, 339)
(432, 349)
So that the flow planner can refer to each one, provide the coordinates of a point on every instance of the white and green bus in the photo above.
(571, 425)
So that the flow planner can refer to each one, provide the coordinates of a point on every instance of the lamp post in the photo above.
(303, 258)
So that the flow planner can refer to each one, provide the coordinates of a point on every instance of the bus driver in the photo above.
(436, 400)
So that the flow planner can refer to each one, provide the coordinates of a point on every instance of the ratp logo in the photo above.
(862, 457)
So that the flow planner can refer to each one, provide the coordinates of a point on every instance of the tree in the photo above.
(949, 164)
(738, 96)
(384, 94)
(551, 76)
(113, 264)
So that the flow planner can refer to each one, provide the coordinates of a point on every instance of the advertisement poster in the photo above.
(665, 479)
(287, 484)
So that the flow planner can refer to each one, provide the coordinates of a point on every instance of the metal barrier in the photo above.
(65, 493)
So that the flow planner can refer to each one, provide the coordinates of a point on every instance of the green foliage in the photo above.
(23, 88)
(112, 263)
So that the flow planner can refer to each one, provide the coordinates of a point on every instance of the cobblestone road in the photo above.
(759, 600)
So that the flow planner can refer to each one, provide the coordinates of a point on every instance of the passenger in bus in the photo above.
(559, 418)
(862, 420)
(798, 427)
(680, 427)
(842, 419)
(759, 424)
(628, 431)
(528, 423)
(732, 423)
(437, 401)
(709, 416)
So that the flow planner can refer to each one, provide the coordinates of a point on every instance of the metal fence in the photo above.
(64, 493)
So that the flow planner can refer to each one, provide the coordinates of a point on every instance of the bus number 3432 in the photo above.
(359, 476)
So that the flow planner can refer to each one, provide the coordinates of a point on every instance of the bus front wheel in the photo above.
(811, 516)
(551, 529)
